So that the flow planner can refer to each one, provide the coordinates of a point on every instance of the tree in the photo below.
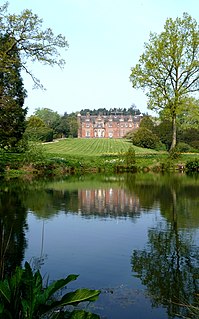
(21, 39)
(72, 125)
(37, 130)
(49, 117)
(147, 122)
(169, 68)
(25, 34)
(12, 95)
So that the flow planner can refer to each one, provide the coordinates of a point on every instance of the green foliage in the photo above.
(35, 121)
(174, 153)
(23, 296)
(32, 43)
(21, 39)
(189, 118)
(195, 144)
(130, 157)
(164, 132)
(35, 153)
(145, 138)
(12, 95)
(193, 165)
(147, 122)
(39, 134)
(184, 147)
(189, 135)
(50, 118)
(168, 69)
(133, 110)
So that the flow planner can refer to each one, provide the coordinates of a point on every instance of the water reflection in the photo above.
(103, 201)
(12, 230)
(156, 235)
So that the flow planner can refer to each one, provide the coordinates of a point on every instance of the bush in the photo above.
(145, 138)
(41, 134)
(184, 147)
(34, 153)
(193, 166)
(130, 157)
(195, 144)
(174, 153)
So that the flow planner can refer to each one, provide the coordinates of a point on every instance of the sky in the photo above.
(106, 39)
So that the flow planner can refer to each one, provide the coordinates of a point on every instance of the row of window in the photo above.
(118, 125)
(101, 134)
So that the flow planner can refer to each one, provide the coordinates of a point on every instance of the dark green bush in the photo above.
(195, 144)
(193, 166)
(42, 134)
(145, 138)
(130, 157)
(184, 147)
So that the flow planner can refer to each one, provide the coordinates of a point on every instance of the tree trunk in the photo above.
(173, 144)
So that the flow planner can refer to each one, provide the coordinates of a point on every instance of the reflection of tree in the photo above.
(174, 194)
(45, 203)
(169, 267)
(12, 231)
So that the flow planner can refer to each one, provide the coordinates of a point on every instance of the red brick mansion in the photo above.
(106, 126)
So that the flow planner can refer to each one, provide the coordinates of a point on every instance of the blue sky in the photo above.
(106, 38)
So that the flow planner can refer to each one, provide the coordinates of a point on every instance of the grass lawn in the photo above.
(93, 147)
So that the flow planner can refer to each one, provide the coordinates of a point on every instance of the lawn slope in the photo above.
(92, 147)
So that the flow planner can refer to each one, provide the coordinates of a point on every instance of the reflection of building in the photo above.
(107, 126)
(105, 201)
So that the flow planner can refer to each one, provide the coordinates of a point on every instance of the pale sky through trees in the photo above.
(106, 38)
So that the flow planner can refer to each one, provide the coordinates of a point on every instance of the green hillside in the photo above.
(92, 147)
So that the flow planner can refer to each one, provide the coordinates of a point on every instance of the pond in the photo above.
(133, 236)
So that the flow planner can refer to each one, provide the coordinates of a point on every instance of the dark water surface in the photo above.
(135, 237)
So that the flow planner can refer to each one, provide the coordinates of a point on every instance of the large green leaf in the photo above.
(71, 298)
(79, 295)
(55, 286)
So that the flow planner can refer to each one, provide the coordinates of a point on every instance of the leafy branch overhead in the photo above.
(24, 33)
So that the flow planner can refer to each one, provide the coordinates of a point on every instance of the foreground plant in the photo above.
(23, 296)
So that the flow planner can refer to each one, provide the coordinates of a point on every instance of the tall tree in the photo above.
(12, 95)
(169, 68)
(49, 117)
(21, 40)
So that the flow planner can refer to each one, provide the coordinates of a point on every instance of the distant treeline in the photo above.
(112, 111)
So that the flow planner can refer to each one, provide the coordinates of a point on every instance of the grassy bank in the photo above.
(82, 155)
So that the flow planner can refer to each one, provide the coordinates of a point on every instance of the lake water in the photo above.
(133, 236)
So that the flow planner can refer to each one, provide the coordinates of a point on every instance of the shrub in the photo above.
(42, 134)
(195, 144)
(193, 166)
(34, 153)
(174, 153)
(130, 157)
(145, 138)
(184, 147)
(164, 132)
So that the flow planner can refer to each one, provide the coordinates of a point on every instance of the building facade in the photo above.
(106, 126)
